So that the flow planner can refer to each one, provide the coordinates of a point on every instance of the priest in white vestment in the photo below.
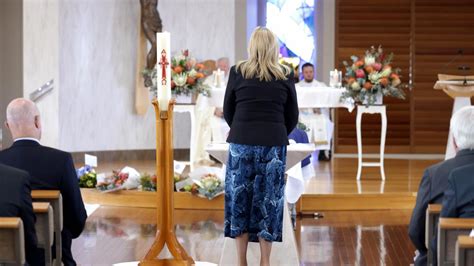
(210, 123)
(317, 120)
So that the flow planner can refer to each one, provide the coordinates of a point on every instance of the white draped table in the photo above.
(308, 97)
(284, 253)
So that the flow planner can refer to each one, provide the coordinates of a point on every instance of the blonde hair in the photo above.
(263, 52)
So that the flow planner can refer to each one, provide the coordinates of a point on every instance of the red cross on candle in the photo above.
(163, 63)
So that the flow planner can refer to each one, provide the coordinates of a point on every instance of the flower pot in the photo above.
(184, 99)
(378, 100)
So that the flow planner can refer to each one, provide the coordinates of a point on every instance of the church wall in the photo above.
(98, 41)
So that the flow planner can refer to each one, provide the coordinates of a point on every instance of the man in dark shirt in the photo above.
(15, 201)
(435, 179)
(49, 168)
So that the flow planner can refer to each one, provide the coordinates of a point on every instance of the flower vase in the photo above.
(184, 98)
(378, 100)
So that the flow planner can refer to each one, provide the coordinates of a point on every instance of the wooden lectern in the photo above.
(461, 89)
(165, 210)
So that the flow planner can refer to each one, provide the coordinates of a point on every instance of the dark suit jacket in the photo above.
(258, 112)
(431, 190)
(52, 169)
(458, 199)
(15, 201)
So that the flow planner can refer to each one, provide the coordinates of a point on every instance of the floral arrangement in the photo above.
(87, 176)
(112, 183)
(370, 76)
(210, 186)
(148, 182)
(187, 76)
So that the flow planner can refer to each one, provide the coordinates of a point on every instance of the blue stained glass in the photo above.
(293, 23)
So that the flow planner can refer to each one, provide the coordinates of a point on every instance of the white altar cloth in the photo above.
(308, 97)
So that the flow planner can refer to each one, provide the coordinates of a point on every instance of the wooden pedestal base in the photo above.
(165, 183)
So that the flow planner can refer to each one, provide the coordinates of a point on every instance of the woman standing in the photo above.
(261, 109)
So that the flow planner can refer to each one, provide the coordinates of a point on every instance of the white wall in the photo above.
(89, 48)
(41, 61)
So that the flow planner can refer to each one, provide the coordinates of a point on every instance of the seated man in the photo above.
(316, 119)
(15, 201)
(435, 179)
(49, 168)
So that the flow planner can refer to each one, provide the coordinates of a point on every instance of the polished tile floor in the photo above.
(117, 234)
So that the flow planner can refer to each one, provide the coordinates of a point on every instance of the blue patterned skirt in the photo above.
(254, 192)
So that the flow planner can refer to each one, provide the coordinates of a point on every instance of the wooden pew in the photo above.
(54, 198)
(12, 241)
(448, 231)
(44, 228)
(432, 217)
(465, 251)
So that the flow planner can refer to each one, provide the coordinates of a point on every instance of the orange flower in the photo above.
(191, 81)
(384, 82)
(178, 69)
(359, 63)
(367, 85)
(350, 80)
(369, 69)
(199, 75)
(199, 66)
(394, 76)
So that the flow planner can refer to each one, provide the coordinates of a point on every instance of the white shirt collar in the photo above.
(31, 139)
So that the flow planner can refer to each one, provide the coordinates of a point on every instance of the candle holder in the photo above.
(335, 78)
(165, 183)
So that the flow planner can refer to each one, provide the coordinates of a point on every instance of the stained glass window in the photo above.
(293, 22)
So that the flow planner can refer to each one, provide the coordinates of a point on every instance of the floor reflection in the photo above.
(114, 235)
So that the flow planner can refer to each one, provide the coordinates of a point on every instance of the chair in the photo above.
(432, 217)
(12, 241)
(465, 251)
(54, 198)
(448, 231)
(44, 228)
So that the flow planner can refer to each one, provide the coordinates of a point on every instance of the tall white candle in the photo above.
(163, 67)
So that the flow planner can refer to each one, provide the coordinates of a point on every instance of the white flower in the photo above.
(192, 73)
(355, 86)
(179, 58)
(369, 60)
(374, 77)
(180, 79)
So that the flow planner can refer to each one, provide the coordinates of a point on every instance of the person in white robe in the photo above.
(318, 120)
(210, 124)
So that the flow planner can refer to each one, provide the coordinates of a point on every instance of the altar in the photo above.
(308, 97)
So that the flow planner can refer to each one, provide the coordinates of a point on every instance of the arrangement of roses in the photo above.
(371, 75)
(187, 76)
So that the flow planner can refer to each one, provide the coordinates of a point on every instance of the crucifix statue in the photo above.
(150, 23)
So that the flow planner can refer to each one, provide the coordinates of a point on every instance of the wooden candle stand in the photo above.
(165, 211)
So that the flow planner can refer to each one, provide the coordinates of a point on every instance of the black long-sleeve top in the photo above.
(258, 112)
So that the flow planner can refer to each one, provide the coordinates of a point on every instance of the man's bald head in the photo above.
(23, 119)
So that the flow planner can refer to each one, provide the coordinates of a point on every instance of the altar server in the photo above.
(261, 108)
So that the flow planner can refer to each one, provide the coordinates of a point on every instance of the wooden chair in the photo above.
(54, 198)
(44, 228)
(465, 251)
(448, 231)
(12, 241)
(432, 217)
